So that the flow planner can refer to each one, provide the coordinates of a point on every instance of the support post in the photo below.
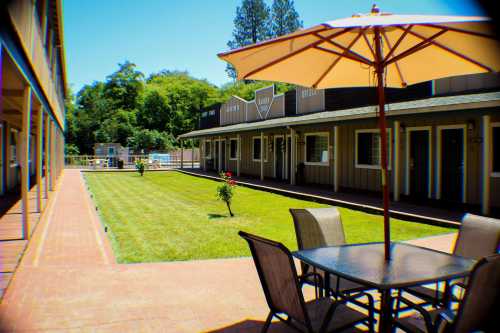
(182, 154)
(293, 150)
(47, 153)
(395, 171)
(485, 202)
(192, 154)
(39, 144)
(52, 156)
(219, 156)
(262, 147)
(379, 69)
(204, 146)
(238, 160)
(25, 154)
(336, 161)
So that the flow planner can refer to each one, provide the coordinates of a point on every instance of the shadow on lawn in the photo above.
(216, 216)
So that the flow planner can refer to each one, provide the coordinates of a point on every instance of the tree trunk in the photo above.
(229, 208)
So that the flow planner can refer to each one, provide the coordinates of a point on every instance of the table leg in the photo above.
(385, 311)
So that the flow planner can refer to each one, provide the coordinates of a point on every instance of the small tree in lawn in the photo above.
(139, 166)
(225, 191)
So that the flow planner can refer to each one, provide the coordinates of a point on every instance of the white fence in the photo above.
(174, 160)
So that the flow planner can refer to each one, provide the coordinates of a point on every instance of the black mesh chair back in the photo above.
(278, 277)
(479, 310)
(478, 237)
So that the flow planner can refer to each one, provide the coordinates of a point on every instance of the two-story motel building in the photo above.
(32, 93)
(444, 139)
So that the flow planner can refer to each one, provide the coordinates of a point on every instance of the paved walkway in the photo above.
(68, 281)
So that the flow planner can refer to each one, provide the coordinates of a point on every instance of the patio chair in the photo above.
(321, 227)
(478, 237)
(279, 280)
(478, 311)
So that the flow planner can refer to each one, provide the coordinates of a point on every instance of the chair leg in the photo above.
(267, 323)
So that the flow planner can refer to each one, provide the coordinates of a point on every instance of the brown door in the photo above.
(452, 167)
(419, 164)
(280, 160)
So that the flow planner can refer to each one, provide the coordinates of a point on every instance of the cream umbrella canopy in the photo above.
(375, 49)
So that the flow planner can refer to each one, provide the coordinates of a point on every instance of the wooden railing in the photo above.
(22, 15)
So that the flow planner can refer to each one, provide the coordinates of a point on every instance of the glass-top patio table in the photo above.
(364, 263)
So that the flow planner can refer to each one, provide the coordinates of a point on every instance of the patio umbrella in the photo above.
(375, 49)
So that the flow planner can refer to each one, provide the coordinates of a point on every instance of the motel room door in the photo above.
(280, 160)
(452, 168)
(419, 164)
(288, 157)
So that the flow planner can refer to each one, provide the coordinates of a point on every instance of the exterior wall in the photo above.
(252, 113)
(102, 149)
(316, 174)
(463, 83)
(233, 111)
(369, 179)
(309, 100)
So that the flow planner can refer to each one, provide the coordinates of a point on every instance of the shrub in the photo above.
(225, 191)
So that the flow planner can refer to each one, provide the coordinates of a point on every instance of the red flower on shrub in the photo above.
(229, 174)
(232, 182)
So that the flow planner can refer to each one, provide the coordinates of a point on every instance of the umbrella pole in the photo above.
(379, 69)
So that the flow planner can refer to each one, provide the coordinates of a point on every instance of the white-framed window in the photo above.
(233, 149)
(316, 150)
(256, 147)
(208, 149)
(495, 140)
(211, 113)
(204, 114)
(368, 149)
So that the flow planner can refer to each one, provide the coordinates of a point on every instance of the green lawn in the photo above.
(172, 216)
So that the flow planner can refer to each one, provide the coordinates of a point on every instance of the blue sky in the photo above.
(188, 34)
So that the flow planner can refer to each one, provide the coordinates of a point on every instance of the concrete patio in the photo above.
(68, 280)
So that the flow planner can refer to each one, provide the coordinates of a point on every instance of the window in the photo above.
(256, 149)
(111, 151)
(496, 148)
(204, 114)
(233, 149)
(208, 150)
(211, 113)
(316, 149)
(368, 149)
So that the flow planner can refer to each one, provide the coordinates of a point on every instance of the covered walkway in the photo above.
(68, 280)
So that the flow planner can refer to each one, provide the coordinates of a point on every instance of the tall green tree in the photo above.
(124, 86)
(251, 25)
(284, 18)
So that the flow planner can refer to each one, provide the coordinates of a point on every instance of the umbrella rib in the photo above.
(368, 44)
(403, 82)
(422, 45)
(343, 48)
(362, 61)
(311, 45)
(398, 42)
(458, 54)
(336, 61)
(269, 42)
(474, 33)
